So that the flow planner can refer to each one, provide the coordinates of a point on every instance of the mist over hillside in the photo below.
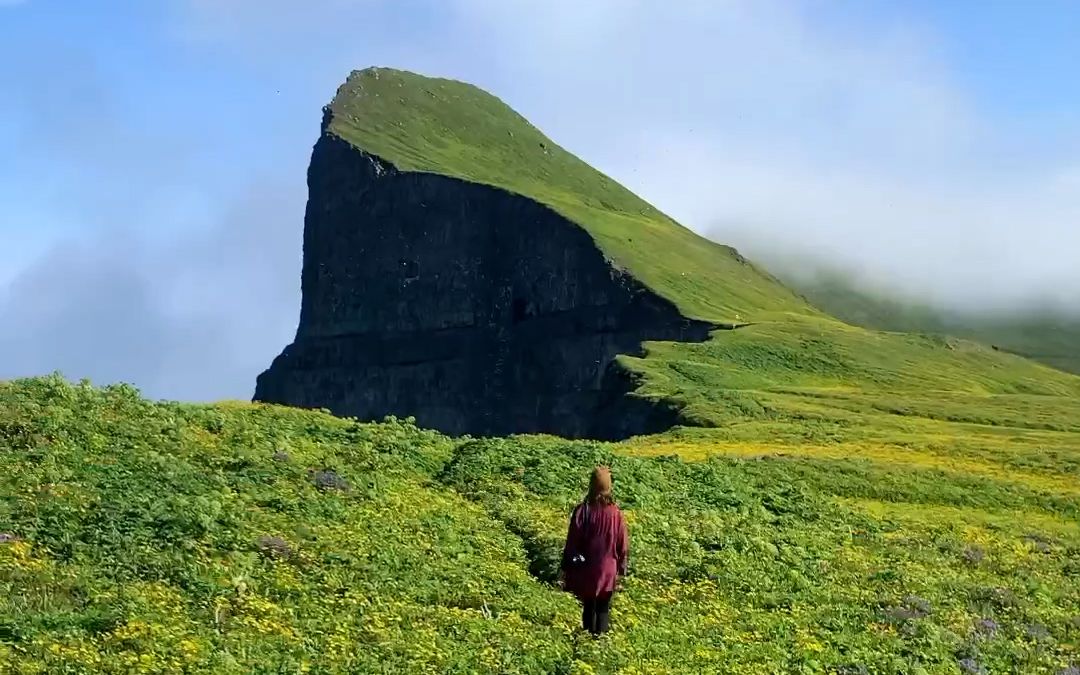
(1042, 328)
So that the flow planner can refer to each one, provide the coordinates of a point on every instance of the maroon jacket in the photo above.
(598, 533)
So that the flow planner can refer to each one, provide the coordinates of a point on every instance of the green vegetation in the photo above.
(168, 538)
(823, 371)
(1048, 336)
(240, 539)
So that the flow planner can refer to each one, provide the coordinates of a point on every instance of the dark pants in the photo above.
(595, 614)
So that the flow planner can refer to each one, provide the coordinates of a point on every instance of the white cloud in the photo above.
(961, 243)
(758, 124)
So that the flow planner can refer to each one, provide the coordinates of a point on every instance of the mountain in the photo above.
(448, 128)
(463, 269)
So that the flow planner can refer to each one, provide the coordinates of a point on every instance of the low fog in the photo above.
(154, 237)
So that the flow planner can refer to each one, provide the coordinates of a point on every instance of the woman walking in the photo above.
(595, 554)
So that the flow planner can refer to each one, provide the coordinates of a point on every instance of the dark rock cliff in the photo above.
(470, 308)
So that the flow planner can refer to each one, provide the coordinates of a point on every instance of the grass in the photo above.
(811, 381)
(169, 538)
(173, 538)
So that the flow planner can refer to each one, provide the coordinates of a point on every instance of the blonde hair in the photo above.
(600, 487)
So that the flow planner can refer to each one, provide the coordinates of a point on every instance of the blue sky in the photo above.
(151, 206)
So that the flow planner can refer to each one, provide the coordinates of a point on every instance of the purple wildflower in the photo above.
(987, 627)
(974, 554)
(330, 480)
(970, 666)
(1036, 632)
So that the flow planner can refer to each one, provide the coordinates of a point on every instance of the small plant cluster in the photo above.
(140, 537)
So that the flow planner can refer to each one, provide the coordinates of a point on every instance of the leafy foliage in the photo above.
(161, 537)
(175, 538)
(797, 564)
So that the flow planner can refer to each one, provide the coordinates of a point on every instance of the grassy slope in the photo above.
(138, 526)
(786, 369)
(138, 545)
(1048, 337)
(455, 129)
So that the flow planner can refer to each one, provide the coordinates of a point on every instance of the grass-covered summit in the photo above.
(455, 129)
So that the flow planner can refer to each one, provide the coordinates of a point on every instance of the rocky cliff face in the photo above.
(473, 309)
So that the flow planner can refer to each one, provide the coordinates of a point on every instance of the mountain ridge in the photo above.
(452, 128)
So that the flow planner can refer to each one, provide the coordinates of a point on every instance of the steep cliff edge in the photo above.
(448, 128)
(469, 307)
(461, 268)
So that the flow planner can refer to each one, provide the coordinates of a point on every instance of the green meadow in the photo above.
(238, 538)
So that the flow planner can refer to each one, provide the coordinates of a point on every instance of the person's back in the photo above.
(596, 551)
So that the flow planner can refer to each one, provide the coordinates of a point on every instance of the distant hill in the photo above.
(1048, 336)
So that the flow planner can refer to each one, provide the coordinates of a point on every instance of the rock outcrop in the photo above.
(473, 309)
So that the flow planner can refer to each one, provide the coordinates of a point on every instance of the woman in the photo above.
(595, 554)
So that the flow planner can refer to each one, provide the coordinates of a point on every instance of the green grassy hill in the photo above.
(1047, 336)
(455, 129)
(239, 538)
